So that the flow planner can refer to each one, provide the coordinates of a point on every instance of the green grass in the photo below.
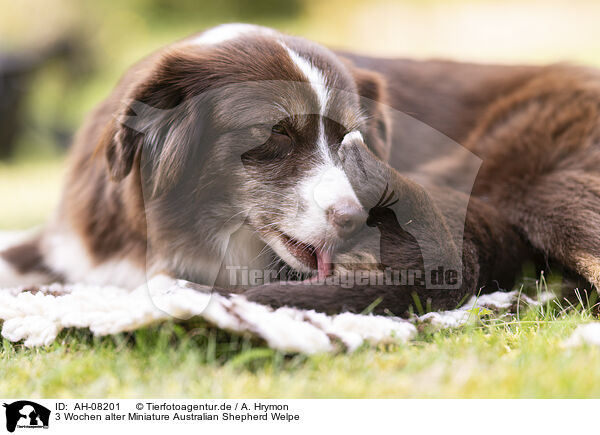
(519, 355)
(499, 359)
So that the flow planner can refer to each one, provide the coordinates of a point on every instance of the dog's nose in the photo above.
(347, 217)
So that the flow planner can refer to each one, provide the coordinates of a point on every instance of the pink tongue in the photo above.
(323, 264)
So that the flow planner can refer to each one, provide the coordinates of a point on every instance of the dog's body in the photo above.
(302, 194)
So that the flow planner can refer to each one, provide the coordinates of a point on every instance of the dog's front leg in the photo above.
(478, 243)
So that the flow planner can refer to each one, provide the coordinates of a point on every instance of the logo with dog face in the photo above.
(26, 415)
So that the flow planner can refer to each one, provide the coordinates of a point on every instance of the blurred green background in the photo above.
(104, 37)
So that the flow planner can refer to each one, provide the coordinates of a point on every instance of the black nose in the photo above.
(347, 217)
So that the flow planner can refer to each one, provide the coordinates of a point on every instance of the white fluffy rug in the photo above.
(37, 316)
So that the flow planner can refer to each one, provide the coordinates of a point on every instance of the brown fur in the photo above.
(26, 257)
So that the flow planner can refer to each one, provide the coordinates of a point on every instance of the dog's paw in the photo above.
(353, 154)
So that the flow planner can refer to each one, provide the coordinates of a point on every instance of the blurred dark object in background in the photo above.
(17, 73)
(46, 89)
(219, 12)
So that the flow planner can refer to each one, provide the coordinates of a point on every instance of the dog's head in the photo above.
(242, 121)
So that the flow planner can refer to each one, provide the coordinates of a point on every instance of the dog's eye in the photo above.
(279, 129)
(278, 145)
(281, 139)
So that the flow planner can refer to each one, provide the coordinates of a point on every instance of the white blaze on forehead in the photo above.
(317, 81)
(226, 32)
(314, 76)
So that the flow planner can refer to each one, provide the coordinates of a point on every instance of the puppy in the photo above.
(218, 151)
(241, 147)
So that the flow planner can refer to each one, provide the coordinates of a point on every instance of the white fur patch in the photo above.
(227, 32)
(330, 186)
(327, 186)
(240, 248)
(353, 136)
(65, 254)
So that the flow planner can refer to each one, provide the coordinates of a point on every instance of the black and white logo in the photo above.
(26, 415)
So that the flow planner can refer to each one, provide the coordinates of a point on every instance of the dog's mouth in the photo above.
(309, 256)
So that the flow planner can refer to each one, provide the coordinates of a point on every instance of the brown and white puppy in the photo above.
(153, 187)
(219, 150)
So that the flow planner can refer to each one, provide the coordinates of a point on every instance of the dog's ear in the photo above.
(372, 90)
(120, 144)
(158, 124)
